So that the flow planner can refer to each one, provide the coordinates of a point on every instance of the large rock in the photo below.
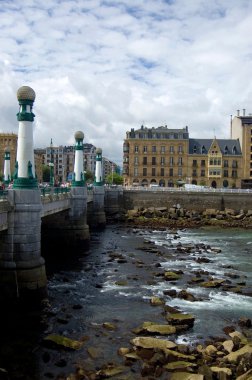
(233, 357)
(171, 276)
(154, 328)
(149, 342)
(180, 319)
(174, 366)
(186, 376)
(245, 376)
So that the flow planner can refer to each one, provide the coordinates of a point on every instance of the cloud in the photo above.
(105, 67)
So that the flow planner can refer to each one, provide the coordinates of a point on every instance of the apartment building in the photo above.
(241, 128)
(168, 157)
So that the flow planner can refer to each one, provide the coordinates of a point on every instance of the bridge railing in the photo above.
(54, 190)
(3, 194)
(188, 190)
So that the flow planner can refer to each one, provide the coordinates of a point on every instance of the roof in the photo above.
(227, 146)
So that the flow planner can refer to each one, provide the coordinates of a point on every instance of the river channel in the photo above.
(99, 298)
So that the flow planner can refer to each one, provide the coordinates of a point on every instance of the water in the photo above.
(113, 283)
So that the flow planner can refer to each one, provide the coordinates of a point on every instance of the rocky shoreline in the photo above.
(149, 349)
(153, 352)
(179, 217)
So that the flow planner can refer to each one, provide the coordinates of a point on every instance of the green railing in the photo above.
(54, 190)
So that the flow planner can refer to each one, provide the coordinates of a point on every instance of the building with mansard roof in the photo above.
(168, 157)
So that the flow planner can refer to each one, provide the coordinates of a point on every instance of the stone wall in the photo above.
(198, 201)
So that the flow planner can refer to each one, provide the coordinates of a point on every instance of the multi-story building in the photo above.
(8, 140)
(39, 159)
(155, 155)
(241, 128)
(168, 157)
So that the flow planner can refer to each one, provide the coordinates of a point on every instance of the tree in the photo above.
(115, 179)
(46, 173)
(89, 177)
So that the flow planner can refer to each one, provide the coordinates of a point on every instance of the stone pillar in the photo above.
(7, 171)
(22, 269)
(98, 218)
(70, 230)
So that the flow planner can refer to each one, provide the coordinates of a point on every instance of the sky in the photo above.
(105, 66)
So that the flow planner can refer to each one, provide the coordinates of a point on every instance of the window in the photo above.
(171, 161)
(225, 173)
(153, 172)
(162, 172)
(234, 173)
(203, 150)
(202, 173)
(234, 164)
(180, 172)
(180, 161)
(180, 149)
(194, 173)
(136, 160)
(135, 172)
(153, 161)
(226, 150)
(162, 149)
(144, 172)
(225, 163)
(145, 149)
(136, 148)
(194, 149)
(194, 163)
(144, 160)
(171, 149)
(154, 149)
(203, 163)
(162, 162)
(171, 172)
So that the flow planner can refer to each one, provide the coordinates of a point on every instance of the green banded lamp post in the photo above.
(51, 165)
(7, 171)
(78, 176)
(98, 168)
(24, 176)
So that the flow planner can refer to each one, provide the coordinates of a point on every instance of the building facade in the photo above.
(168, 157)
(241, 129)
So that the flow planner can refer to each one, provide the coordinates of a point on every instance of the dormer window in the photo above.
(226, 150)
(234, 150)
(203, 150)
(194, 149)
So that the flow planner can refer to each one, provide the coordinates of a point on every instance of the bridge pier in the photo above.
(22, 269)
(97, 215)
(67, 231)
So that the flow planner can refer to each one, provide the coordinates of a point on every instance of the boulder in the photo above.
(179, 365)
(63, 341)
(149, 342)
(233, 357)
(246, 376)
(228, 345)
(171, 276)
(222, 372)
(180, 319)
(154, 328)
(156, 301)
(186, 376)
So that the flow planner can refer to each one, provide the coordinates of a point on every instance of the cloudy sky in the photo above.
(104, 67)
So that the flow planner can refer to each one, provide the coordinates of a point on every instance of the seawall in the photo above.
(119, 200)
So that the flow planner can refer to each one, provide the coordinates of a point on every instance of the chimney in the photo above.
(244, 111)
(238, 112)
